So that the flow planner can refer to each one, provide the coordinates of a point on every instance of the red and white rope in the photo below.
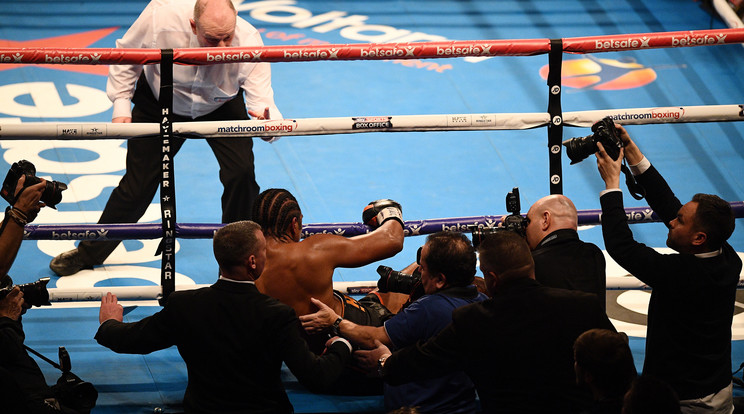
(374, 51)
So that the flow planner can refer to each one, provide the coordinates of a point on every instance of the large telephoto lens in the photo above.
(578, 149)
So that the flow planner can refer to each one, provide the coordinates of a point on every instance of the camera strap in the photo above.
(636, 190)
(52, 363)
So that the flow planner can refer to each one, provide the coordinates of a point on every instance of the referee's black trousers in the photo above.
(129, 201)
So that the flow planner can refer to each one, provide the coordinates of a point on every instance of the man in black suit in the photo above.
(232, 338)
(517, 347)
(688, 339)
(562, 260)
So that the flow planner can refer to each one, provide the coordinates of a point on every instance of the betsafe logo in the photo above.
(603, 74)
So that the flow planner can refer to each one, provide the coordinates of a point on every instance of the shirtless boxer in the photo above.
(297, 270)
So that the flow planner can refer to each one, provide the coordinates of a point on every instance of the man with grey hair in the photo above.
(562, 260)
(221, 92)
(232, 338)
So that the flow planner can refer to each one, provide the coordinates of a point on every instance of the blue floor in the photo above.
(432, 174)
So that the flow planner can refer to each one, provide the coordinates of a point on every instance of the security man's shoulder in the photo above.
(474, 310)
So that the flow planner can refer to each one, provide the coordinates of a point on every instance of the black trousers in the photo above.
(129, 201)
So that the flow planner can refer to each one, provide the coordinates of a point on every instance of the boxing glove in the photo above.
(380, 211)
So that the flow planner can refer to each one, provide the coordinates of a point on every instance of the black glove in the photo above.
(380, 211)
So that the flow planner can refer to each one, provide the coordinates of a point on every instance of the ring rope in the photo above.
(412, 227)
(352, 125)
(375, 51)
(153, 292)
(723, 8)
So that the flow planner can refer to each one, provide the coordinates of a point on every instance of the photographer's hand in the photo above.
(28, 200)
(27, 203)
(608, 168)
(320, 320)
(632, 153)
(110, 309)
(12, 305)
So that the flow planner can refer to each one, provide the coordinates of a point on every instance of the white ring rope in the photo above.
(136, 293)
(351, 125)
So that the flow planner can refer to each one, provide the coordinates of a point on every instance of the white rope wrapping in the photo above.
(136, 293)
(351, 125)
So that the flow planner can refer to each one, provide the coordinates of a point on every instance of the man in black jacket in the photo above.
(232, 338)
(561, 259)
(517, 347)
(688, 339)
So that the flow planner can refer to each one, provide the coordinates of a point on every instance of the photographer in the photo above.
(562, 260)
(516, 347)
(22, 384)
(447, 262)
(688, 342)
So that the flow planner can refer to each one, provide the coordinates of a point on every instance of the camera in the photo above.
(395, 281)
(34, 294)
(72, 391)
(52, 194)
(513, 222)
(605, 132)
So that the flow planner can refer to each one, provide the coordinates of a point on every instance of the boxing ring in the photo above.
(553, 120)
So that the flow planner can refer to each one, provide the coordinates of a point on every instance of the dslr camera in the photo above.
(34, 294)
(52, 194)
(398, 282)
(578, 149)
(72, 391)
(513, 222)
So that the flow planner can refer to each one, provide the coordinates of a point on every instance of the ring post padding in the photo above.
(555, 127)
(167, 184)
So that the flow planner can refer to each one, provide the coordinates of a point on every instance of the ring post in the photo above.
(167, 185)
(555, 127)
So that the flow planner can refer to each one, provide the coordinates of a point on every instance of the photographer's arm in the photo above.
(609, 169)
(359, 335)
(661, 199)
(26, 208)
(632, 153)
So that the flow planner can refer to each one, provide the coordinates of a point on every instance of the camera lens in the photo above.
(36, 293)
(52, 194)
(578, 149)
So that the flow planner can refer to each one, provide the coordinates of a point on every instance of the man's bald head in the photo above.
(214, 22)
(548, 214)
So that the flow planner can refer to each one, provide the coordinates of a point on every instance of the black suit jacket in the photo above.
(688, 339)
(233, 340)
(517, 347)
(563, 261)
